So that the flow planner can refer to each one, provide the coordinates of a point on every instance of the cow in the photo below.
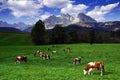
(44, 56)
(94, 66)
(21, 58)
(77, 60)
(68, 50)
(54, 52)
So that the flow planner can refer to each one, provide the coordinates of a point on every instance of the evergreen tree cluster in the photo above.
(59, 35)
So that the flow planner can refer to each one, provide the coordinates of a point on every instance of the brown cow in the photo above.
(21, 58)
(94, 66)
(77, 60)
(67, 50)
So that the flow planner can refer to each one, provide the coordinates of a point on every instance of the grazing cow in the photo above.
(77, 60)
(94, 66)
(21, 58)
(44, 56)
(54, 52)
(68, 50)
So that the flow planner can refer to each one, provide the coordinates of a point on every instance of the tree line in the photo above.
(59, 35)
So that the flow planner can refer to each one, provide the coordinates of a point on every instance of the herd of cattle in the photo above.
(88, 69)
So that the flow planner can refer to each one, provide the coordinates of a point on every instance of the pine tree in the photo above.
(58, 35)
(38, 33)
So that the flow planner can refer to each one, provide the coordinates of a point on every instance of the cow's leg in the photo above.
(102, 70)
(15, 61)
(101, 73)
(44, 58)
(90, 71)
(18, 61)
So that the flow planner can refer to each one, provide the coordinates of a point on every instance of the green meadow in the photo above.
(7, 39)
(60, 66)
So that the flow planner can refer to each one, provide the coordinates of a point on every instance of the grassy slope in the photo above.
(14, 39)
(60, 66)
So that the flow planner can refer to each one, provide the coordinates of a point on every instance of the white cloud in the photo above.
(74, 9)
(44, 16)
(99, 11)
(2, 5)
(56, 3)
(21, 8)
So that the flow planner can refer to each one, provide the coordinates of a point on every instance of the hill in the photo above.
(9, 29)
(14, 39)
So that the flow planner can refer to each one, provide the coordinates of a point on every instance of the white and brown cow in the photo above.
(44, 56)
(21, 58)
(94, 66)
(77, 60)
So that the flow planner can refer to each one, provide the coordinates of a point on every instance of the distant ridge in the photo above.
(9, 29)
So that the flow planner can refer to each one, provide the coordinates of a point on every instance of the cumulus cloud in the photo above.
(45, 15)
(56, 3)
(74, 9)
(99, 11)
(21, 8)
(2, 4)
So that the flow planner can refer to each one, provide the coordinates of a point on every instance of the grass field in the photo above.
(14, 39)
(60, 66)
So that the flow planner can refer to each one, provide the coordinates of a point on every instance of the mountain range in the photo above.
(20, 26)
(67, 20)
(81, 21)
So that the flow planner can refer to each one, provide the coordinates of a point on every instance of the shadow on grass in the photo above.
(108, 73)
(105, 73)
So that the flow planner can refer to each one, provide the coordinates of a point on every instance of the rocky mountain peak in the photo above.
(85, 19)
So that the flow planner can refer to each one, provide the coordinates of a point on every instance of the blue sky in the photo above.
(29, 11)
